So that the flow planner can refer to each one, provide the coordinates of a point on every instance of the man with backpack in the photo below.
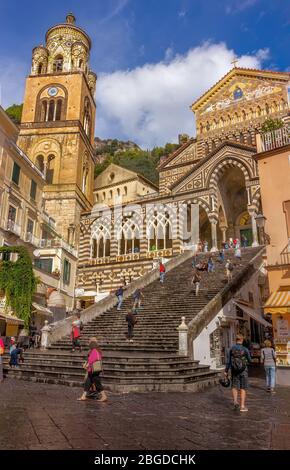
(239, 358)
(196, 281)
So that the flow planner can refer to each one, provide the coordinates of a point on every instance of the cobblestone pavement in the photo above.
(38, 416)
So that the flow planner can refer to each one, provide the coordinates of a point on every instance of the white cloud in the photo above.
(117, 8)
(150, 104)
(182, 14)
(239, 5)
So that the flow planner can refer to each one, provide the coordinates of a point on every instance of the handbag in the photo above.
(96, 366)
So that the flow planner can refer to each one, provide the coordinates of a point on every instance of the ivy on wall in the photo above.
(18, 281)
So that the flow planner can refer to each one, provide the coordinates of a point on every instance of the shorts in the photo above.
(240, 381)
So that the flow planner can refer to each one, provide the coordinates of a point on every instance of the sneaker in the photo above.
(272, 391)
(244, 409)
(268, 390)
(236, 406)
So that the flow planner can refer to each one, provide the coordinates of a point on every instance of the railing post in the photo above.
(182, 342)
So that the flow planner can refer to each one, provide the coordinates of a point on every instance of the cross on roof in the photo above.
(235, 61)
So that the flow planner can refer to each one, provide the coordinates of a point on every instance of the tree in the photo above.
(137, 160)
(15, 112)
(271, 125)
(18, 281)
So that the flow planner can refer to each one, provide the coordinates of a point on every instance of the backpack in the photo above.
(238, 361)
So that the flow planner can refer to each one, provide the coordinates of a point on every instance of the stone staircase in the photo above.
(151, 362)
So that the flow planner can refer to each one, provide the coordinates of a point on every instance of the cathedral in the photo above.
(120, 222)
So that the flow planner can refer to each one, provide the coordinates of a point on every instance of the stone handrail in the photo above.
(63, 327)
(207, 314)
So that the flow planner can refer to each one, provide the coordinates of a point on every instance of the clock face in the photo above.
(52, 91)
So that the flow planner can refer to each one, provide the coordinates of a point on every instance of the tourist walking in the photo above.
(244, 241)
(162, 272)
(1, 354)
(268, 357)
(194, 261)
(239, 358)
(221, 255)
(238, 253)
(196, 281)
(210, 265)
(77, 326)
(93, 367)
(131, 320)
(120, 295)
(137, 296)
(229, 270)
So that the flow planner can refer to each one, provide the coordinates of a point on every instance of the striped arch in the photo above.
(256, 200)
(219, 170)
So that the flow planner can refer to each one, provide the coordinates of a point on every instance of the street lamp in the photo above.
(260, 221)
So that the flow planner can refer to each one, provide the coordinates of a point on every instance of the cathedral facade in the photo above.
(214, 173)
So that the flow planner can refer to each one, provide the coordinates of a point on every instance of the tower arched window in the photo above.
(58, 64)
(39, 163)
(249, 138)
(51, 108)
(87, 118)
(50, 169)
(43, 111)
(125, 191)
(241, 138)
(39, 69)
(81, 64)
(267, 109)
(244, 116)
(58, 110)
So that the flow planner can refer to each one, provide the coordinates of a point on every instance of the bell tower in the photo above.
(57, 127)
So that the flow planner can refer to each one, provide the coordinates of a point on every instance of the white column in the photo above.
(254, 230)
(224, 233)
(213, 223)
(183, 338)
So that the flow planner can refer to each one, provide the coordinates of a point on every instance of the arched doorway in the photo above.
(231, 188)
(204, 226)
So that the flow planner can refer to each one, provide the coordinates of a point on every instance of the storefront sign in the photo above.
(282, 328)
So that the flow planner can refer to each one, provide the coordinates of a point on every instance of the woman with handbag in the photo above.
(1, 354)
(93, 366)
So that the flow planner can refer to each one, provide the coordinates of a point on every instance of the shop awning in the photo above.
(278, 302)
(41, 310)
(11, 319)
(252, 313)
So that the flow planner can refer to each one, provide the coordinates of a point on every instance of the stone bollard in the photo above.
(45, 332)
(183, 333)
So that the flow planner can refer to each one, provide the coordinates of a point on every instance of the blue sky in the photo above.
(159, 54)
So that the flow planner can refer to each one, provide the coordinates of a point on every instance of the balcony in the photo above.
(273, 140)
(30, 238)
(285, 254)
(13, 227)
(57, 243)
(48, 220)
